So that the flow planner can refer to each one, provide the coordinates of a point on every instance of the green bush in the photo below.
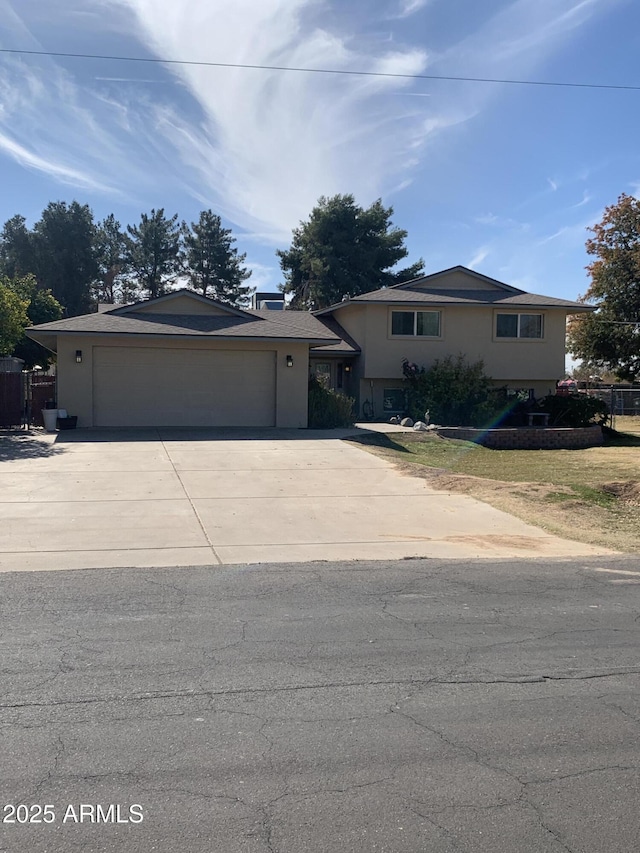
(454, 392)
(579, 410)
(328, 409)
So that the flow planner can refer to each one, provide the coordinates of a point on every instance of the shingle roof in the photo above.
(299, 325)
(426, 290)
(446, 296)
(347, 345)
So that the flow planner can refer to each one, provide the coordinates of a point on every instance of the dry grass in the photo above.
(628, 424)
(590, 495)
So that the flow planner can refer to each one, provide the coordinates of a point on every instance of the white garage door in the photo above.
(151, 386)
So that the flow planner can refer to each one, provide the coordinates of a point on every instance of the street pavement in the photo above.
(394, 706)
(148, 498)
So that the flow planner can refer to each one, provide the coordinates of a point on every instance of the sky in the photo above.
(502, 178)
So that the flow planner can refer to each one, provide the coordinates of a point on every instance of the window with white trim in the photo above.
(519, 326)
(415, 324)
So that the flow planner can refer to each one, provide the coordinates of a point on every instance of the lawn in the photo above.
(591, 495)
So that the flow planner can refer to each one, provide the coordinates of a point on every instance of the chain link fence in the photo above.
(621, 401)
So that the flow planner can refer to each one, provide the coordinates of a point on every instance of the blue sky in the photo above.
(501, 178)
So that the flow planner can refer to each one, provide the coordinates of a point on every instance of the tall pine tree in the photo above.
(153, 252)
(213, 263)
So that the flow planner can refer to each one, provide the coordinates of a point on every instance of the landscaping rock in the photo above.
(394, 420)
(406, 422)
(420, 426)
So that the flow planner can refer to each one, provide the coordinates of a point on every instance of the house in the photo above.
(519, 336)
(186, 360)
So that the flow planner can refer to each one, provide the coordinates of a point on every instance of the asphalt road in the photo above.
(418, 705)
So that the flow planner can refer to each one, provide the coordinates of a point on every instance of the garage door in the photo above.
(151, 386)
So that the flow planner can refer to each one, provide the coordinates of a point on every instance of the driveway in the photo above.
(88, 499)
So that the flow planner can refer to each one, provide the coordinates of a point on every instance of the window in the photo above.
(519, 325)
(422, 324)
(394, 400)
(322, 372)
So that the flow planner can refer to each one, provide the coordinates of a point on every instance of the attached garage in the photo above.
(184, 360)
(152, 386)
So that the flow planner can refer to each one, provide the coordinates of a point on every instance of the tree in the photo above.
(213, 263)
(344, 249)
(111, 251)
(42, 307)
(13, 317)
(65, 254)
(153, 251)
(610, 338)
(16, 248)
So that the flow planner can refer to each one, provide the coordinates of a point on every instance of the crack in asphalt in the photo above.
(521, 680)
(522, 798)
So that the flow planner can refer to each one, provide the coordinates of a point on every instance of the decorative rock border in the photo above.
(528, 438)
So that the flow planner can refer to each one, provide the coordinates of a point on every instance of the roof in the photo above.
(238, 324)
(172, 296)
(432, 296)
(347, 346)
(426, 290)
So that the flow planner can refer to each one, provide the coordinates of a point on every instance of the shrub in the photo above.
(328, 409)
(454, 392)
(578, 410)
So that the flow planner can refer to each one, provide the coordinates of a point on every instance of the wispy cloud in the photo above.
(258, 146)
(502, 222)
(586, 198)
(553, 184)
(575, 233)
(410, 7)
(478, 258)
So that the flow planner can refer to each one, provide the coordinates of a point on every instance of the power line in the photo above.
(433, 77)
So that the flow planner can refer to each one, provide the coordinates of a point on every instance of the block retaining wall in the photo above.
(528, 438)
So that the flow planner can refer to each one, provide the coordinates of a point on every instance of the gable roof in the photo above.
(230, 323)
(166, 299)
(429, 290)
(423, 280)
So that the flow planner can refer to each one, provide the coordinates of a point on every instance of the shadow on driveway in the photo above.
(19, 444)
(169, 434)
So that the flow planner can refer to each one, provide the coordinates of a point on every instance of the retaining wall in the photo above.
(528, 438)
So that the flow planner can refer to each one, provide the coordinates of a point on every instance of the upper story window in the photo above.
(422, 324)
(519, 325)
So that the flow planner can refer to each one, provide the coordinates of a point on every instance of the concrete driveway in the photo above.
(177, 497)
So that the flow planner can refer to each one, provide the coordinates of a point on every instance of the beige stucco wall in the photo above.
(75, 381)
(466, 330)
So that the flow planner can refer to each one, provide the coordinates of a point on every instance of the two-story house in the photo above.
(185, 360)
(519, 336)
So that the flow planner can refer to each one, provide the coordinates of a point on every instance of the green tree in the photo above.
(42, 307)
(16, 248)
(213, 263)
(65, 254)
(112, 284)
(344, 249)
(154, 252)
(610, 338)
(13, 317)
